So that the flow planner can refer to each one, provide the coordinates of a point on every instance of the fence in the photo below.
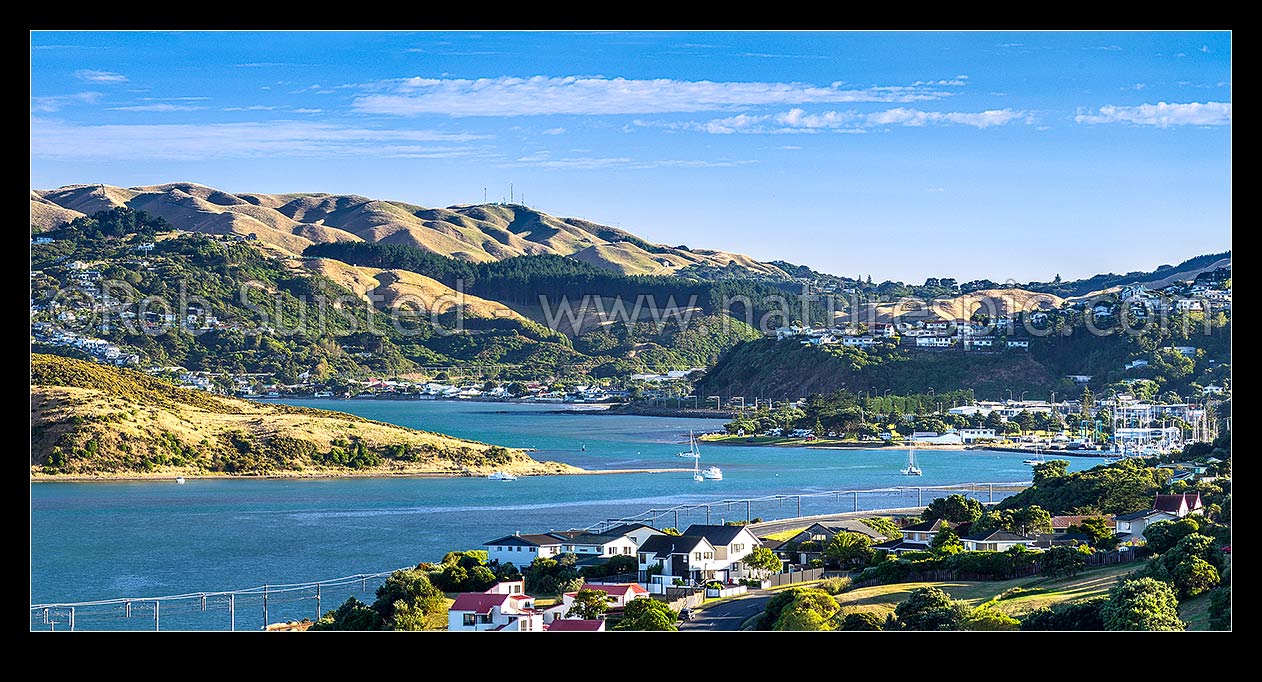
(780, 579)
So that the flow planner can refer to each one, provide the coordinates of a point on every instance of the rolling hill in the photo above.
(90, 420)
(475, 233)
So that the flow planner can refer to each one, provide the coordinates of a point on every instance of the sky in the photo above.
(899, 155)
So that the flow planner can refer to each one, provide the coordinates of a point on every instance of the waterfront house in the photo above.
(819, 535)
(576, 625)
(916, 537)
(505, 606)
(663, 559)
(974, 435)
(1179, 505)
(618, 596)
(995, 541)
(522, 549)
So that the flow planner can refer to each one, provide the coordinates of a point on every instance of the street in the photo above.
(728, 615)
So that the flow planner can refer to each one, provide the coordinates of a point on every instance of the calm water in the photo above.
(134, 539)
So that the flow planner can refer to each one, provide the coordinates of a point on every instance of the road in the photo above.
(728, 615)
(768, 527)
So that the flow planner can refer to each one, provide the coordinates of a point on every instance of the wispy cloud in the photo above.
(1136, 86)
(799, 121)
(541, 95)
(161, 107)
(94, 76)
(1205, 49)
(545, 160)
(53, 103)
(58, 139)
(1163, 115)
(935, 189)
(554, 131)
(1106, 48)
(252, 107)
(267, 65)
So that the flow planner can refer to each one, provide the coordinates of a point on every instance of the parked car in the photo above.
(685, 614)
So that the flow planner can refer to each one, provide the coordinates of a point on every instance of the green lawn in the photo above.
(1036, 591)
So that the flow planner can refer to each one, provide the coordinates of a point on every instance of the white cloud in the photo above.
(1163, 115)
(158, 107)
(544, 159)
(252, 107)
(1109, 48)
(935, 189)
(308, 111)
(554, 131)
(1205, 49)
(95, 76)
(799, 121)
(1137, 87)
(57, 102)
(541, 95)
(58, 139)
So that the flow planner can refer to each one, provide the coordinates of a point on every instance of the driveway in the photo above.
(728, 615)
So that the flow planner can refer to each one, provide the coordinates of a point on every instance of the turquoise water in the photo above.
(132, 539)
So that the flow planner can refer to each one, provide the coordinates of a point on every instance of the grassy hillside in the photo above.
(292, 222)
(91, 420)
(1023, 594)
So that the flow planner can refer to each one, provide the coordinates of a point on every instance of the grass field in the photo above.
(1195, 612)
(1036, 592)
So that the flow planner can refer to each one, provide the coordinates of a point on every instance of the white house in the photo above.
(1078, 378)
(978, 342)
(731, 544)
(916, 538)
(618, 595)
(995, 541)
(934, 342)
(1018, 343)
(638, 532)
(1212, 389)
(582, 543)
(1130, 527)
(505, 606)
(522, 549)
(1136, 364)
(974, 435)
(1188, 304)
(1179, 505)
(934, 438)
(663, 559)
(861, 341)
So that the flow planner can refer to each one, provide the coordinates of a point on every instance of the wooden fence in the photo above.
(795, 577)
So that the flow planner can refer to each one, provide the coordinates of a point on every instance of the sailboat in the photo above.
(911, 469)
(696, 470)
(709, 473)
(692, 447)
(1037, 458)
(501, 476)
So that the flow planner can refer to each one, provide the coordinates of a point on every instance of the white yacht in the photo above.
(911, 469)
(692, 447)
(179, 479)
(501, 476)
(712, 473)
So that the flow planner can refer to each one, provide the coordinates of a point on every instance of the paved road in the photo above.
(728, 615)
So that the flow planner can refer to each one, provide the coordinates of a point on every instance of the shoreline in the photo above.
(295, 475)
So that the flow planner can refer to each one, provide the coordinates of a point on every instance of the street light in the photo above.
(1023, 395)
(1009, 394)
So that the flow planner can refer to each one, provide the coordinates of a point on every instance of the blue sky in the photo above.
(899, 155)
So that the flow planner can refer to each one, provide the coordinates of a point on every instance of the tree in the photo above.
(589, 604)
(987, 617)
(810, 609)
(763, 561)
(671, 530)
(1053, 468)
(1098, 531)
(1194, 576)
(955, 509)
(1142, 604)
(861, 621)
(946, 541)
(847, 549)
(1220, 608)
(647, 614)
(353, 614)
(1079, 616)
(1031, 520)
(553, 576)
(928, 608)
(410, 586)
(1062, 562)
(1162, 536)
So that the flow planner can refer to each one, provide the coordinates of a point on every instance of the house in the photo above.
(583, 543)
(1189, 351)
(995, 541)
(1212, 389)
(576, 625)
(731, 544)
(505, 606)
(1130, 527)
(1078, 378)
(638, 532)
(1046, 540)
(974, 435)
(663, 559)
(860, 341)
(522, 549)
(934, 341)
(1188, 304)
(1135, 364)
(916, 537)
(934, 438)
(1179, 505)
(617, 594)
(978, 342)
(1018, 343)
(1061, 524)
(820, 534)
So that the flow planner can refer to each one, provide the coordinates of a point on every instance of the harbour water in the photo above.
(134, 539)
